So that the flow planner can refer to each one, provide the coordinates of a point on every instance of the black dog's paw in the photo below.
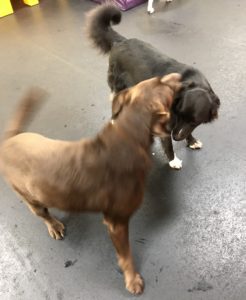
(195, 145)
(176, 163)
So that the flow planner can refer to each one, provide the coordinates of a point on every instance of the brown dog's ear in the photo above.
(119, 101)
(173, 81)
(159, 128)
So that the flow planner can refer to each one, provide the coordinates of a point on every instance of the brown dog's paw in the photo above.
(135, 285)
(56, 230)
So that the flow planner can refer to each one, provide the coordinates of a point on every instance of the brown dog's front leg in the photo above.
(119, 235)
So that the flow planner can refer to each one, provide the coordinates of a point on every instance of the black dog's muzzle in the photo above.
(182, 131)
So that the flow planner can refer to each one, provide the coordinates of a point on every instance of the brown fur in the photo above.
(103, 174)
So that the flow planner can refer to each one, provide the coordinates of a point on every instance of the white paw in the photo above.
(151, 10)
(196, 145)
(169, 1)
(176, 163)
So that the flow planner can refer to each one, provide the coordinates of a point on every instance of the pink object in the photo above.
(123, 4)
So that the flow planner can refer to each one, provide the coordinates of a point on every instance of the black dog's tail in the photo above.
(98, 27)
(27, 106)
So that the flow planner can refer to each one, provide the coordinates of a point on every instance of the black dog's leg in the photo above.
(174, 161)
(193, 143)
(167, 146)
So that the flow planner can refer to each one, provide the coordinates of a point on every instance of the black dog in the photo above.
(132, 61)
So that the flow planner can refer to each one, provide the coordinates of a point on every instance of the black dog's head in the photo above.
(193, 107)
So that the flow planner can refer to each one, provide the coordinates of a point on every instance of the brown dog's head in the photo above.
(155, 96)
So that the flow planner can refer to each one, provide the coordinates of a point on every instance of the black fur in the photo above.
(99, 29)
(132, 61)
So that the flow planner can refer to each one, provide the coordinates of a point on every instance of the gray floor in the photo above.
(189, 237)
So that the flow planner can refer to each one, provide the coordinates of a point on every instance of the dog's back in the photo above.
(131, 60)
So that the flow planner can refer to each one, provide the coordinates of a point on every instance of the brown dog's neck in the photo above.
(135, 122)
(125, 143)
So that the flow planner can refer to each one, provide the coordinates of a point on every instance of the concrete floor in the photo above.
(189, 237)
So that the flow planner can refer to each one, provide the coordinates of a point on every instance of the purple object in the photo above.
(123, 4)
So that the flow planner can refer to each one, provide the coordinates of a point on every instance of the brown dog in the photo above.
(103, 174)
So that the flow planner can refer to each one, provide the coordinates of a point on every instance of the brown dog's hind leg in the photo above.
(55, 227)
(119, 235)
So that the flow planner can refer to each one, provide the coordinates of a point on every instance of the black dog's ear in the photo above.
(189, 84)
(186, 82)
(119, 101)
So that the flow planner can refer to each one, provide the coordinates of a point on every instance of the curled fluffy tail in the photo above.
(98, 26)
(25, 109)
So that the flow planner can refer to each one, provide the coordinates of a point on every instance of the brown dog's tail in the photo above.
(98, 27)
(25, 109)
